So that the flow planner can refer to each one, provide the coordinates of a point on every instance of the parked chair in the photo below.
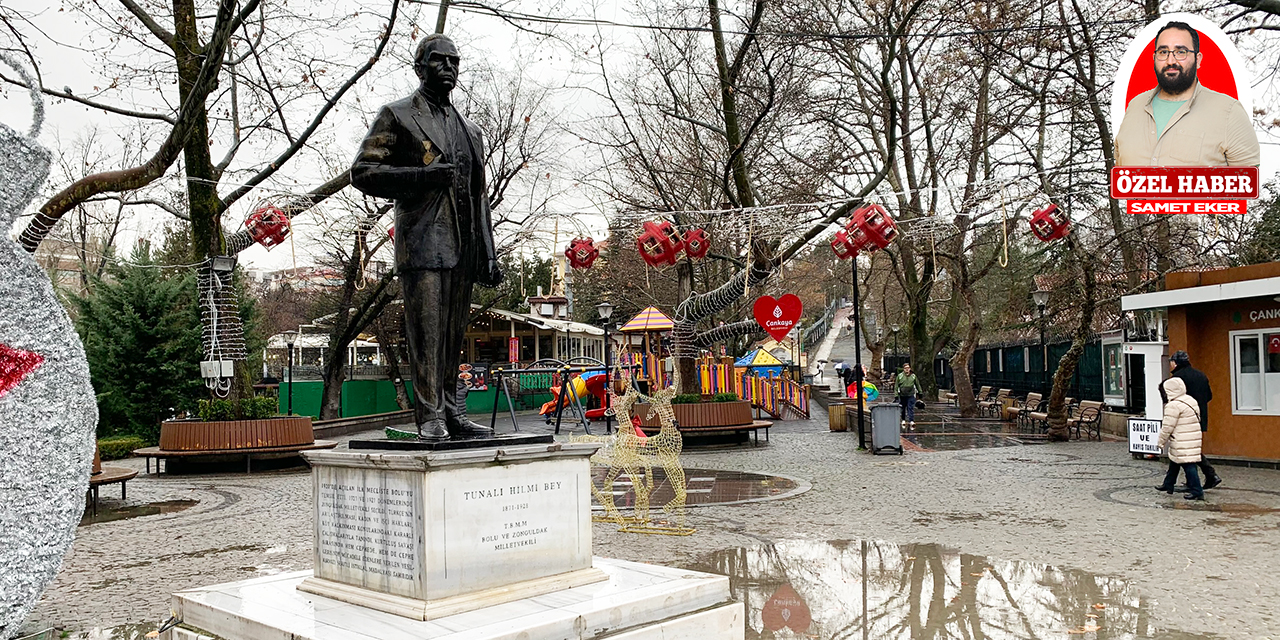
(982, 395)
(995, 404)
(1021, 408)
(1088, 419)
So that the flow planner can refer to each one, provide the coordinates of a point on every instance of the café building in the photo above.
(1228, 320)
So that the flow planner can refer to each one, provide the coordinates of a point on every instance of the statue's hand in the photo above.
(437, 174)
(492, 276)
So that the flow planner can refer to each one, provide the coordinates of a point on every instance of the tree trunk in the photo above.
(335, 373)
(1067, 366)
(960, 365)
(393, 373)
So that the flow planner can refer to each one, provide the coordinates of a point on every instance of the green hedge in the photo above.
(725, 397)
(119, 447)
(687, 398)
(246, 409)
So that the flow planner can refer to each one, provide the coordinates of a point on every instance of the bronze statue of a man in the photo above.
(421, 153)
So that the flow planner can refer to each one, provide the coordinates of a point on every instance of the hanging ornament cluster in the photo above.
(268, 225)
(1050, 223)
(696, 243)
(582, 252)
(660, 243)
(870, 228)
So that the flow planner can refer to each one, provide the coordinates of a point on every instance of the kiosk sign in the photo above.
(1143, 436)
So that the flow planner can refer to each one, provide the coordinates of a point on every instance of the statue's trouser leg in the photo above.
(424, 319)
(456, 312)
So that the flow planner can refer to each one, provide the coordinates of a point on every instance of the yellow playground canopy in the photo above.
(648, 320)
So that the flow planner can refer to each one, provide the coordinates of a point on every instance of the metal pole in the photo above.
(290, 380)
(608, 368)
(857, 356)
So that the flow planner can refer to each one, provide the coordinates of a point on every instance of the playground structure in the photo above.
(767, 390)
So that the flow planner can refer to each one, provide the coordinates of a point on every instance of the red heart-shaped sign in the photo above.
(777, 317)
(785, 608)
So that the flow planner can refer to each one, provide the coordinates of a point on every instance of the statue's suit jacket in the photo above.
(390, 165)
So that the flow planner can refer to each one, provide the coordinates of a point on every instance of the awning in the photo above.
(1260, 288)
(649, 320)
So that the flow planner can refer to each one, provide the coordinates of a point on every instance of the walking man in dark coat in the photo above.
(421, 153)
(1197, 387)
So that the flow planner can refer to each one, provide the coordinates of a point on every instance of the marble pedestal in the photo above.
(636, 602)
(431, 534)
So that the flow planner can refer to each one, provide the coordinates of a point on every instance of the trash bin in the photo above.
(836, 417)
(886, 435)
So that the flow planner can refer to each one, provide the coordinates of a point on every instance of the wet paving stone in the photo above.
(851, 589)
(108, 513)
(703, 487)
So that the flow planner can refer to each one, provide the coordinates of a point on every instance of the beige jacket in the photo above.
(1181, 426)
(1210, 130)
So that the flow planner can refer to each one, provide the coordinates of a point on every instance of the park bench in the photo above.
(109, 475)
(1018, 412)
(753, 429)
(995, 404)
(1041, 415)
(1088, 420)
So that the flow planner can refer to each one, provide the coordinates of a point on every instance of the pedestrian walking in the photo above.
(1181, 430)
(1197, 387)
(907, 387)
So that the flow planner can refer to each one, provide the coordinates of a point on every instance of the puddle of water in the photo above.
(106, 514)
(955, 441)
(702, 486)
(850, 589)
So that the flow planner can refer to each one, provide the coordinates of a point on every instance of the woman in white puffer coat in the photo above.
(1181, 429)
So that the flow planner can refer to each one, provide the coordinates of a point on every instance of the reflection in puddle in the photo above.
(833, 590)
(702, 486)
(106, 514)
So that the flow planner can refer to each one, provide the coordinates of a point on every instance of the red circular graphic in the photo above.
(1214, 72)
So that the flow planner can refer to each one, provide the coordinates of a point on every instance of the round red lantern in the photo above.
(582, 252)
(268, 225)
(842, 246)
(659, 243)
(696, 243)
(871, 228)
(1050, 223)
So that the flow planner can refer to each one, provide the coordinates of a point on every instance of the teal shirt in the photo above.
(1163, 110)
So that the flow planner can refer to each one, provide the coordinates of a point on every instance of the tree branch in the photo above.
(136, 177)
(149, 22)
(315, 122)
(67, 95)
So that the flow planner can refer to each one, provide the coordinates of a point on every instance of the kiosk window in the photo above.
(1255, 372)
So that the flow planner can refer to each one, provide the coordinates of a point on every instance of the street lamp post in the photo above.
(894, 330)
(857, 356)
(605, 310)
(1041, 297)
(289, 337)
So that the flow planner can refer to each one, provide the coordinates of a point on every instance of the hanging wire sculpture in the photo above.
(223, 332)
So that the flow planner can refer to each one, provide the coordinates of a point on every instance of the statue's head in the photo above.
(436, 63)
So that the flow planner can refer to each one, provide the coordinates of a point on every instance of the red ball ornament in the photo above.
(871, 228)
(842, 246)
(659, 243)
(582, 252)
(696, 243)
(1050, 223)
(268, 225)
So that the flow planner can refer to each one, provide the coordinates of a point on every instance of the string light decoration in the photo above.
(933, 228)
(223, 332)
(582, 253)
(1050, 223)
(267, 225)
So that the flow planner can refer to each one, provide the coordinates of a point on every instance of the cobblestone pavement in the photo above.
(1206, 568)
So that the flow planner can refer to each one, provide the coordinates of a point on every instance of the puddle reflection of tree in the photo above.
(923, 591)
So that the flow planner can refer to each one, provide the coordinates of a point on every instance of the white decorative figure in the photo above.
(48, 415)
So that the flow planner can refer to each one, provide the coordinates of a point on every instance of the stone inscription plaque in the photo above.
(519, 521)
(368, 529)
